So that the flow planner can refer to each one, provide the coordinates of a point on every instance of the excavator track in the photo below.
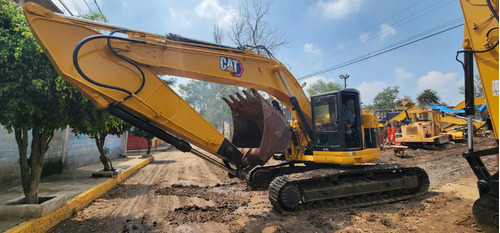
(343, 188)
(259, 178)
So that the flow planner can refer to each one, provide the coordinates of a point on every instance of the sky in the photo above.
(323, 35)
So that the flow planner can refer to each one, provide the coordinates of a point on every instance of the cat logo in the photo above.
(232, 66)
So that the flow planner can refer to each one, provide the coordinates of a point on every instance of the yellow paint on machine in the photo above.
(346, 157)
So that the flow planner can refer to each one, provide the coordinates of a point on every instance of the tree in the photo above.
(95, 123)
(322, 87)
(428, 97)
(30, 100)
(444, 104)
(408, 98)
(478, 87)
(169, 81)
(206, 98)
(385, 99)
(143, 134)
(218, 35)
(250, 29)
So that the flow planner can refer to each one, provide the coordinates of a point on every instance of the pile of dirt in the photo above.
(226, 202)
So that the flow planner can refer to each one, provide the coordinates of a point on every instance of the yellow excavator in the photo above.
(324, 150)
(481, 44)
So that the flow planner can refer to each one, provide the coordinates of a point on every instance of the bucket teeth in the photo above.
(241, 98)
(249, 97)
(240, 101)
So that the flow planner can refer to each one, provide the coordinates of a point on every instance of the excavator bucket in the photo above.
(260, 129)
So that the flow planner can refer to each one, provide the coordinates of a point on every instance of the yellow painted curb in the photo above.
(44, 224)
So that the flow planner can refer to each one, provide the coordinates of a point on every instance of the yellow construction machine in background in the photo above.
(425, 127)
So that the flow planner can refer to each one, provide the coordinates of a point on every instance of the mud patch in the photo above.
(225, 196)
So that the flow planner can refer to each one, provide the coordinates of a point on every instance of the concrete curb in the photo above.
(44, 224)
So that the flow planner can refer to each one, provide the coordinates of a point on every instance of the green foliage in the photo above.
(322, 87)
(96, 16)
(408, 98)
(28, 84)
(428, 97)
(170, 81)
(85, 117)
(140, 133)
(385, 99)
(32, 97)
(206, 98)
(89, 120)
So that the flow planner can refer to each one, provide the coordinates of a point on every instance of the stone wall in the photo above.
(66, 152)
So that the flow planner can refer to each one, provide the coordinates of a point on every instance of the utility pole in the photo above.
(344, 77)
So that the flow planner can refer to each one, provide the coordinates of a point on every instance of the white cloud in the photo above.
(368, 90)
(212, 10)
(310, 49)
(364, 36)
(338, 9)
(446, 86)
(179, 17)
(386, 30)
(402, 75)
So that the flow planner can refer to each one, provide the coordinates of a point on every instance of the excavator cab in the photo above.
(337, 123)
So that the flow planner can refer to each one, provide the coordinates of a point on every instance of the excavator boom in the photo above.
(121, 74)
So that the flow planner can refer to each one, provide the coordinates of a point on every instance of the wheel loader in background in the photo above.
(425, 128)
(323, 159)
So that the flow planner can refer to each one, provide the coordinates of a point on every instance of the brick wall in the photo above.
(66, 152)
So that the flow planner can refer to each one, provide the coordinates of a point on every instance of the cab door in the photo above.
(353, 136)
(326, 122)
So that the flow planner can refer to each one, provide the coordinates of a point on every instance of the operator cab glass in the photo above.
(333, 113)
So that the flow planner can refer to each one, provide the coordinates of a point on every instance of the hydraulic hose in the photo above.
(108, 37)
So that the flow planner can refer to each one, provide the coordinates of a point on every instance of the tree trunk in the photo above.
(99, 141)
(31, 168)
(150, 144)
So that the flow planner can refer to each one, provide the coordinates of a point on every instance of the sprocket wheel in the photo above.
(290, 197)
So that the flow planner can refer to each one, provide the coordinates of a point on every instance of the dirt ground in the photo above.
(179, 192)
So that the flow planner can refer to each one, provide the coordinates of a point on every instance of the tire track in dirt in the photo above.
(143, 182)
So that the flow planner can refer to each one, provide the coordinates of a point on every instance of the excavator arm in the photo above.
(481, 44)
(120, 72)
